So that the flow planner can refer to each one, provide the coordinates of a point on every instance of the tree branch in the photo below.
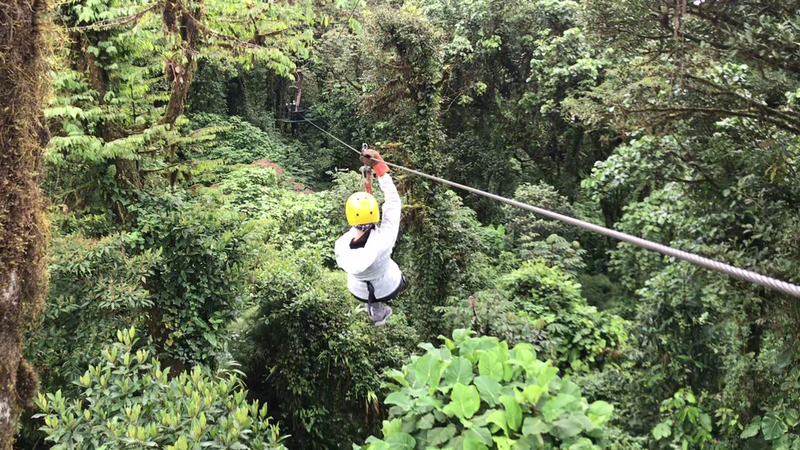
(117, 22)
(677, 111)
(785, 115)
(252, 44)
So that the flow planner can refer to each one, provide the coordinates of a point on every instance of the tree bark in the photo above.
(23, 135)
(178, 19)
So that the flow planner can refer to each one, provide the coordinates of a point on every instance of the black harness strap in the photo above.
(371, 289)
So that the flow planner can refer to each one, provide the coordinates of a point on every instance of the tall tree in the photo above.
(23, 87)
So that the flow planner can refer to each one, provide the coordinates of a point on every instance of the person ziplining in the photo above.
(365, 251)
(380, 265)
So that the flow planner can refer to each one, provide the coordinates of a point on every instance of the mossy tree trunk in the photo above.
(23, 135)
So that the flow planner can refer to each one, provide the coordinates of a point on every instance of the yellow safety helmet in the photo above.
(361, 209)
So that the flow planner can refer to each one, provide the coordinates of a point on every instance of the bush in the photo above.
(312, 355)
(244, 143)
(475, 393)
(300, 220)
(127, 401)
(552, 300)
(94, 290)
(543, 306)
(526, 227)
(199, 284)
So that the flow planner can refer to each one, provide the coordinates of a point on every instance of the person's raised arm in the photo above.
(392, 206)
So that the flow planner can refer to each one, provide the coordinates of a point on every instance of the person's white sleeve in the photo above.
(390, 220)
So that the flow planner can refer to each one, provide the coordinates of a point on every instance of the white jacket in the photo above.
(373, 262)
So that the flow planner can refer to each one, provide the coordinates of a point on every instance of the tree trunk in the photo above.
(179, 20)
(23, 135)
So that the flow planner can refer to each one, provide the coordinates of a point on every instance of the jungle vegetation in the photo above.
(168, 214)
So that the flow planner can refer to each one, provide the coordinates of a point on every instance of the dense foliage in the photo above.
(476, 393)
(127, 401)
(189, 197)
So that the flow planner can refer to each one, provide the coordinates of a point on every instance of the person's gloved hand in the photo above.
(373, 159)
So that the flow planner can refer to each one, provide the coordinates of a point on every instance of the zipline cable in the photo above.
(736, 272)
(339, 33)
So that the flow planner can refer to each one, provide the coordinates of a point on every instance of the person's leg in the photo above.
(379, 312)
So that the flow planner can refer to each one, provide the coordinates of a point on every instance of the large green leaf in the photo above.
(752, 429)
(772, 427)
(437, 436)
(460, 371)
(661, 431)
(462, 334)
(525, 358)
(481, 433)
(498, 418)
(503, 442)
(491, 366)
(556, 406)
(397, 376)
(445, 354)
(378, 445)
(525, 347)
(464, 401)
(583, 444)
(600, 412)
(472, 443)
(428, 347)
(566, 428)
(534, 425)
(791, 417)
(570, 388)
(400, 399)
(705, 422)
(489, 389)
(532, 394)
(513, 412)
(391, 427)
(532, 442)
(426, 422)
(546, 375)
(428, 369)
(427, 403)
(402, 441)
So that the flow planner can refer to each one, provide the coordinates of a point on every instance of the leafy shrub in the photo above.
(488, 314)
(94, 290)
(685, 424)
(248, 186)
(243, 143)
(556, 252)
(127, 401)
(607, 295)
(311, 353)
(199, 284)
(620, 385)
(437, 249)
(778, 425)
(543, 305)
(301, 220)
(526, 227)
(552, 300)
(475, 393)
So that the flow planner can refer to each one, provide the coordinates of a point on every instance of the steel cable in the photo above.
(736, 272)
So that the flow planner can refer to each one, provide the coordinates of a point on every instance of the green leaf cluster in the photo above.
(476, 393)
(127, 401)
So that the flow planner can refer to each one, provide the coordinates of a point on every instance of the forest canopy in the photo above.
(188, 183)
